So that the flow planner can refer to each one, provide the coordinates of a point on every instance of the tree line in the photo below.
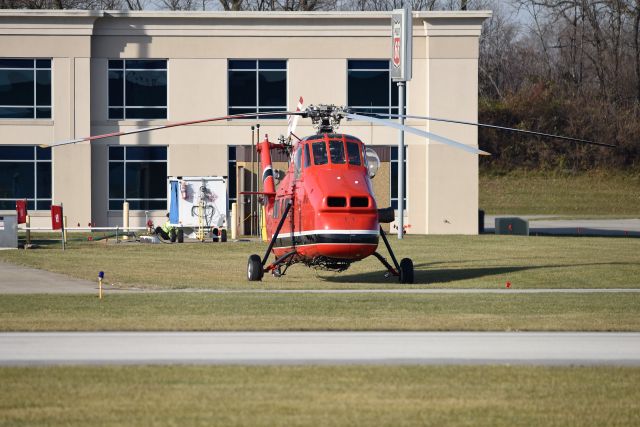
(570, 67)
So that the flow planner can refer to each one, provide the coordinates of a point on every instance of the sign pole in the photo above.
(401, 93)
(400, 72)
(62, 224)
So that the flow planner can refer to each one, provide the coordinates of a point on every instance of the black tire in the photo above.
(406, 270)
(181, 236)
(173, 236)
(223, 235)
(214, 235)
(254, 268)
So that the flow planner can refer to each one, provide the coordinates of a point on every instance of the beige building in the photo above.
(67, 74)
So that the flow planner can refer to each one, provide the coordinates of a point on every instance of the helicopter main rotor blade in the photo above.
(418, 132)
(170, 125)
(508, 129)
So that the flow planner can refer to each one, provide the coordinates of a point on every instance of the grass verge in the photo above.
(592, 194)
(486, 261)
(320, 396)
(287, 312)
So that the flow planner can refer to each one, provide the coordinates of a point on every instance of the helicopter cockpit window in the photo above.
(337, 152)
(354, 153)
(307, 156)
(320, 153)
(297, 161)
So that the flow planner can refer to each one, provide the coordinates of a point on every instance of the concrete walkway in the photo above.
(425, 348)
(25, 280)
(545, 224)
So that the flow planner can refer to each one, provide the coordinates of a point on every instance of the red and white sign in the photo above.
(56, 217)
(401, 35)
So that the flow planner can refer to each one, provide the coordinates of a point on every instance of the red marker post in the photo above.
(57, 222)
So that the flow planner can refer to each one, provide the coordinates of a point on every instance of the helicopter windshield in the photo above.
(336, 147)
(354, 153)
(320, 153)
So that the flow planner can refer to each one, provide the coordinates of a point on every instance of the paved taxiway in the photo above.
(540, 348)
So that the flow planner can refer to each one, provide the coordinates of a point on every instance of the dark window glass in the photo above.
(12, 152)
(354, 153)
(16, 87)
(147, 204)
(307, 156)
(272, 65)
(43, 87)
(16, 112)
(146, 113)
(43, 63)
(25, 91)
(146, 88)
(237, 64)
(43, 205)
(116, 113)
(16, 63)
(43, 153)
(357, 64)
(261, 89)
(116, 205)
(237, 111)
(116, 180)
(116, 93)
(116, 64)
(232, 153)
(232, 181)
(273, 88)
(146, 64)
(43, 113)
(369, 88)
(17, 180)
(140, 86)
(319, 153)
(242, 89)
(146, 180)
(337, 152)
(146, 153)
(116, 153)
(44, 180)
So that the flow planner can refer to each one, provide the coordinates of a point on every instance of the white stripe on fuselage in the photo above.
(324, 232)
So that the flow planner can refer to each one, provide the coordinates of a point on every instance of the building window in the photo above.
(25, 173)
(137, 175)
(394, 177)
(257, 86)
(370, 90)
(137, 89)
(25, 88)
(232, 197)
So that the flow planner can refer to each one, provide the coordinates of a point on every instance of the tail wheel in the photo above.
(406, 270)
(254, 268)
(223, 235)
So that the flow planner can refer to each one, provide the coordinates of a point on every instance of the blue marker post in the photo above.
(100, 277)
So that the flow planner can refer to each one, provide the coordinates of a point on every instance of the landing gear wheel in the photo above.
(406, 270)
(254, 268)
(223, 235)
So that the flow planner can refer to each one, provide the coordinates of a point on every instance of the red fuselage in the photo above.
(333, 216)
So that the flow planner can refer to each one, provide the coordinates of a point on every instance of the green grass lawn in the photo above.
(319, 312)
(594, 194)
(486, 261)
(320, 396)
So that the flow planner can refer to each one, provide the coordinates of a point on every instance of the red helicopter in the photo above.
(323, 212)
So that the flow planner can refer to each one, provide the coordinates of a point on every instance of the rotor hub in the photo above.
(325, 118)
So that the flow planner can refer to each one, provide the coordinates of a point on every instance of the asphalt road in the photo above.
(436, 348)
